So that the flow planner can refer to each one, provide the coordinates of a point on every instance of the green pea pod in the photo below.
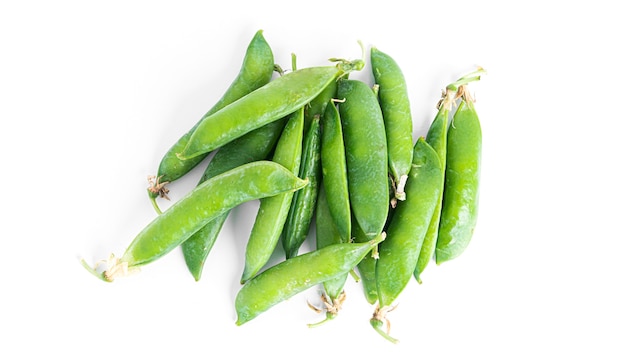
(460, 195)
(437, 138)
(272, 213)
(275, 100)
(294, 275)
(253, 146)
(326, 234)
(204, 203)
(395, 104)
(399, 252)
(334, 171)
(303, 203)
(256, 70)
(366, 154)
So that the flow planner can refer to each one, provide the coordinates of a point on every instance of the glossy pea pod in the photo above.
(366, 163)
(395, 104)
(399, 252)
(459, 209)
(334, 169)
(436, 137)
(272, 213)
(366, 154)
(294, 275)
(275, 100)
(253, 146)
(256, 70)
(303, 203)
(204, 203)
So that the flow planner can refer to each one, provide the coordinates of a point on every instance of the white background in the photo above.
(93, 93)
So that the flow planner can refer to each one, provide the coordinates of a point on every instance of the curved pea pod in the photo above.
(303, 203)
(253, 146)
(437, 138)
(334, 170)
(204, 203)
(460, 195)
(366, 155)
(294, 275)
(395, 104)
(256, 71)
(272, 213)
(399, 252)
(277, 99)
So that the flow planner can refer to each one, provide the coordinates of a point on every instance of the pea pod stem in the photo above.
(331, 309)
(379, 319)
(464, 80)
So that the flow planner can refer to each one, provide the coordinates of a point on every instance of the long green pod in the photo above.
(395, 104)
(272, 213)
(253, 146)
(204, 203)
(366, 165)
(303, 203)
(326, 234)
(461, 190)
(275, 100)
(436, 137)
(399, 252)
(256, 71)
(294, 275)
(366, 154)
(334, 169)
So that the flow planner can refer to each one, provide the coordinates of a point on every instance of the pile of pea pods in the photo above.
(317, 147)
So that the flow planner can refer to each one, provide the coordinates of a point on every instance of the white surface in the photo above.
(93, 93)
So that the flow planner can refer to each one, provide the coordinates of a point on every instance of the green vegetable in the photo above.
(256, 71)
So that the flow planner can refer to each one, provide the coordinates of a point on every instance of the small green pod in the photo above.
(334, 170)
(275, 100)
(292, 276)
(436, 137)
(366, 155)
(272, 213)
(399, 252)
(303, 203)
(204, 203)
(256, 71)
(253, 146)
(395, 104)
(460, 195)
